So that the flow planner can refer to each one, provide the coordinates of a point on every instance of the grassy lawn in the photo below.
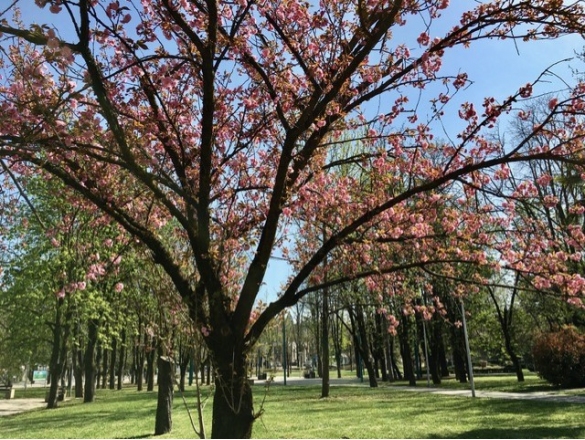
(507, 383)
(354, 412)
(30, 393)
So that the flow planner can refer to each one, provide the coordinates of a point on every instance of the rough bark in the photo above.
(139, 362)
(394, 366)
(233, 398)
(435, 342)
(363, 346)
(122, 360)
(378, 351)
(78, 372)
(105, 368)
(98, 365)
(184, 361)
(89, 361)
(60, 330)
(150, 358)
(164, 407)
(405, 351)
(459, 362)
(113, 359)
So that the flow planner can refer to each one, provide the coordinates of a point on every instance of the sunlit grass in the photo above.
(298, 412)
(506, 383)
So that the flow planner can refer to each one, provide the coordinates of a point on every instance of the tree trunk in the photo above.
(122, 360)
(98, 365)
(316, 311)
(77, 361)
(405, 351)
(512, 353)
(78, 372)
(105, 368)
(393, 365)
(379, 346)
(150, 357)
(164, 407)
(443, 361)
(325, 344)
(89, 361)
(183, 375)
(233, 409)
(58, 353)
(337, 343)
(184, 361)
(55, 369)
(139, 360)
(363, 346)
(435, 342)
(459, 361)
(114, 352)
(208, 371)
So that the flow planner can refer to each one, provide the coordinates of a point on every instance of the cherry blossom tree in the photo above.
(220, 116)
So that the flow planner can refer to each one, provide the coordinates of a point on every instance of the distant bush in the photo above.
(559, 357)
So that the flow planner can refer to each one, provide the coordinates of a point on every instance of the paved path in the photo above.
(551, 396)
(15, 406)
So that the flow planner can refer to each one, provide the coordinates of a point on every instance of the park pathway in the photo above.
(15, 406)
(550, 396)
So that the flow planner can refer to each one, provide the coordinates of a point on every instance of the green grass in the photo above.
(355, 412)
(30, 393)
(506, 383)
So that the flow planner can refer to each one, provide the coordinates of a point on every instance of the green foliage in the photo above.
(559, 357)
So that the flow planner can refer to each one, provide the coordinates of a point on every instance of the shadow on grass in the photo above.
(529, 432)
(112, 408)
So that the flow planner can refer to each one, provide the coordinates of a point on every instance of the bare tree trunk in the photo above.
(122, 360)
(98, 365)
(459, 362)
(77, 361)
(164, 407)
(139, 356)
(325, 344)
(361, 342)
(185, 356)
(150, 358)
(379, 346)
(405, 350)
(337, 343)
(114, 353)
(105, 368)
(61, 329)
(89, 361)
(435, 342)
(55, 364)
(233, 409)
(505, 320)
